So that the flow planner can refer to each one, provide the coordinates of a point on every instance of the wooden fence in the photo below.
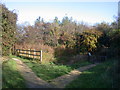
(29, 53)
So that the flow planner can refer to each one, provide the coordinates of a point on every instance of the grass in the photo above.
(100, 76)
(11, 77)
(51, 70)
(79, 64)
(62, 59)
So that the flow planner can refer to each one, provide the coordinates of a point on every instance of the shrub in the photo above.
(63, 51)
(8, 19)
(35, 46)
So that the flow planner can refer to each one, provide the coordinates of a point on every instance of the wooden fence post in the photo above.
(25, 53)
(34, 54)
(19, 53)
(41, 56)
(29, 53)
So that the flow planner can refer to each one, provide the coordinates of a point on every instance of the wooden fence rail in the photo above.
(29, 53)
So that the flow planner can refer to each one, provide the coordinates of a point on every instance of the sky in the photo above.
(90, 12)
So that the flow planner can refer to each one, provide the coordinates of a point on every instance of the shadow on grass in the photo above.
(100, 76)
(25, 57)
(28, 59)
(62, 60)
(72, 61)
(52, 70)
(63, 55)
(11, 78)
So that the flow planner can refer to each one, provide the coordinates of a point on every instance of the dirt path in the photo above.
(32, 81)
(62, 81)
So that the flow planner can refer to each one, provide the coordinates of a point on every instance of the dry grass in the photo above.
(36, 47)
(4, 58)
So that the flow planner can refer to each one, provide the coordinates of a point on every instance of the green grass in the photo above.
(51, 70)
(62, 59)
(100, 76)
(79, 64)
(47, 71)
(11, 77)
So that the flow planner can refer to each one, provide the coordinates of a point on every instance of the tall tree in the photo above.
(9, 19)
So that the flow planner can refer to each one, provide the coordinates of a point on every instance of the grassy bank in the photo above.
(51, 70)
(100, 76)
(11, 78)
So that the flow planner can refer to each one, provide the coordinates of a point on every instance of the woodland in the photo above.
(62, 40)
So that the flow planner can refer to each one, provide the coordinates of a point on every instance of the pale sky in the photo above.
(91, 12)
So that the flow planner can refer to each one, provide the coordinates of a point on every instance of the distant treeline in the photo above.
(68, 36)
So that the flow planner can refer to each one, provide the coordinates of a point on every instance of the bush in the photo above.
(8, 29)
(63, 51)
(87, 41)
(35, 46)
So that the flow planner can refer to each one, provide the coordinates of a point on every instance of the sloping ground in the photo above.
(103, 75)
(51, 71)
(62, 81)
(11, 78)
(33, 81)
